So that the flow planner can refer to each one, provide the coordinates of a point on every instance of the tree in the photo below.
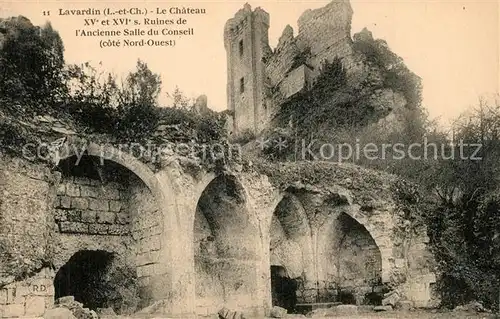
(32, 62)
(180, 100)
(463, 227)
(138, 102)
(53, 69)
(93, 97)
(88, 85)
(141, 87)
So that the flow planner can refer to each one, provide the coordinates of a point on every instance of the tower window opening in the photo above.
(241, 47)
(242, 85)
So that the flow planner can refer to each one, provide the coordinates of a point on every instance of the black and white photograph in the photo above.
(217, 159)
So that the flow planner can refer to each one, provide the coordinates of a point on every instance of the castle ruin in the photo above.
(183, 240)
(259, 79)
(195, 244)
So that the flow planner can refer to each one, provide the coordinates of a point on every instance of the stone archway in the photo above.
(379, 225)
(225, 248)
(106, 152)
(291, 248)
(109, 201)
(349, 262)
(323, 208)
(84, 278)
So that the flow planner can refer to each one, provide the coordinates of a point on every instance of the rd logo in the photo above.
(39, 288)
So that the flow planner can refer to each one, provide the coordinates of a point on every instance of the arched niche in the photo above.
(290, 247)
(84, 277)
(290, 236)
(225, 247)
(102, 205)
(350, 262)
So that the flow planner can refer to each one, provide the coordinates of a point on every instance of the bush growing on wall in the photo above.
(35, 78)
(130, 111)
(243, 137)
(32, 62)
(308, 109)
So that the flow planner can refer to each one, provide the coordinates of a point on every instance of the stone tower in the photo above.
(246, 42)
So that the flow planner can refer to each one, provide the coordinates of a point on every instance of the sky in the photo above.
(452, 45)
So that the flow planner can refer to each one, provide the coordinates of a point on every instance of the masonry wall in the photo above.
(296, 81)
(262, 50)
(229, 232)
(323, 34)
(209, 283)
(26, 194)
(248, 31)
(284, 251)
(45, 218)
(242, 69)
(28, 298)
(93, 212)
(90, 212)
(283, 58)
(326, 32)
(351, 261)
(421, 286)
(147, 227)
(26, 191)
(226, 263)
(92, 207)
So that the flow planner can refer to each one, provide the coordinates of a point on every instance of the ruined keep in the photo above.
(172, 236)
(259, 79)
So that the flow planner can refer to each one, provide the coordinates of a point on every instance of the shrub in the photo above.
(243, 137)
